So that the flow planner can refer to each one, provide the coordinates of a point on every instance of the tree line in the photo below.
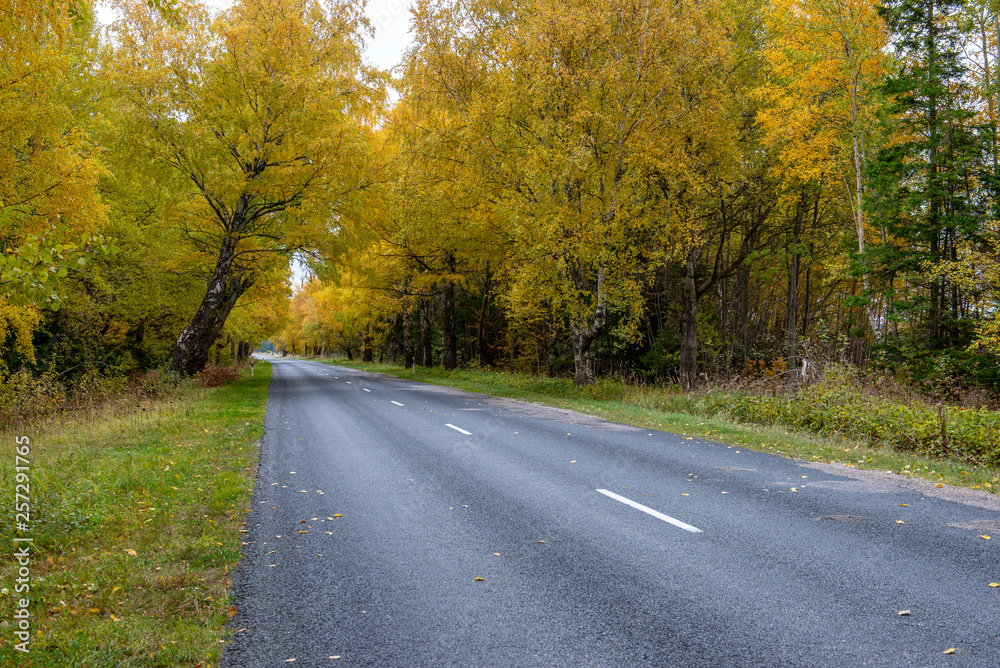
(667, 189)
(679, 188)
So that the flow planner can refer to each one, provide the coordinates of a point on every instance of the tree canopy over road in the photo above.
(667, 189)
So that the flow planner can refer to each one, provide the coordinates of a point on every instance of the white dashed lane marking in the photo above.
(655, 513)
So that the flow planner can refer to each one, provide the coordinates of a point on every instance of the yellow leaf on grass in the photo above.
(113, 618)
(131, 552)
(232, 611)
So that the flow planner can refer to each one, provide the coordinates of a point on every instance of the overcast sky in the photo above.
(390, 19)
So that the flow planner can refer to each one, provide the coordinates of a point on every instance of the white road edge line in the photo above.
(458, 429)
(655, 513)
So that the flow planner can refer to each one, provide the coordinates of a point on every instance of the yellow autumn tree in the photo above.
(260, 112)
(49, 202)
(615, 122)
(827, 60)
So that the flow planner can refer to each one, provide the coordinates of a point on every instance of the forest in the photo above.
(667, 192)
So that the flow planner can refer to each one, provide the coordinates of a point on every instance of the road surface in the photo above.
(401, 524)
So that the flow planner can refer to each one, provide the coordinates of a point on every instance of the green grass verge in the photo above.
(136, 521)
(711, 416)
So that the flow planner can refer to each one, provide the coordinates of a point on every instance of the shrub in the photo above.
(215, 375)
(840, 405)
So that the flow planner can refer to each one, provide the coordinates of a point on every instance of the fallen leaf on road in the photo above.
(900, 522)
(950, 650)
(903, 505)
(541, 541)
(338, 514)
(478, 579)
(335, 656)
(572, 461)
(985, 537)
(289, 660)
(497, 554)
(685, 494)
(232, 611)
(303, 532)
(994, 584)
(904, 613)
(939, 484)
(329, 533)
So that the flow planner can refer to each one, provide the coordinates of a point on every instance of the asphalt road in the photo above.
(402, 524)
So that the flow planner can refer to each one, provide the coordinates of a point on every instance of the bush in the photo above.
(26, 398)
(214, 375)
(839, 405)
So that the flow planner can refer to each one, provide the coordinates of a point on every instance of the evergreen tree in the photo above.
(927, 196)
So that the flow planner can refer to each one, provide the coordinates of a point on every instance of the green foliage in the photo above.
(30, 272)
(838, 406)
(664, 357)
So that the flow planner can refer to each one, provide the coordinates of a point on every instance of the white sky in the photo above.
(389, 18)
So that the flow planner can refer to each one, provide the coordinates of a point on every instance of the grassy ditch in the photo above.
(136, 521)
(832, 422)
